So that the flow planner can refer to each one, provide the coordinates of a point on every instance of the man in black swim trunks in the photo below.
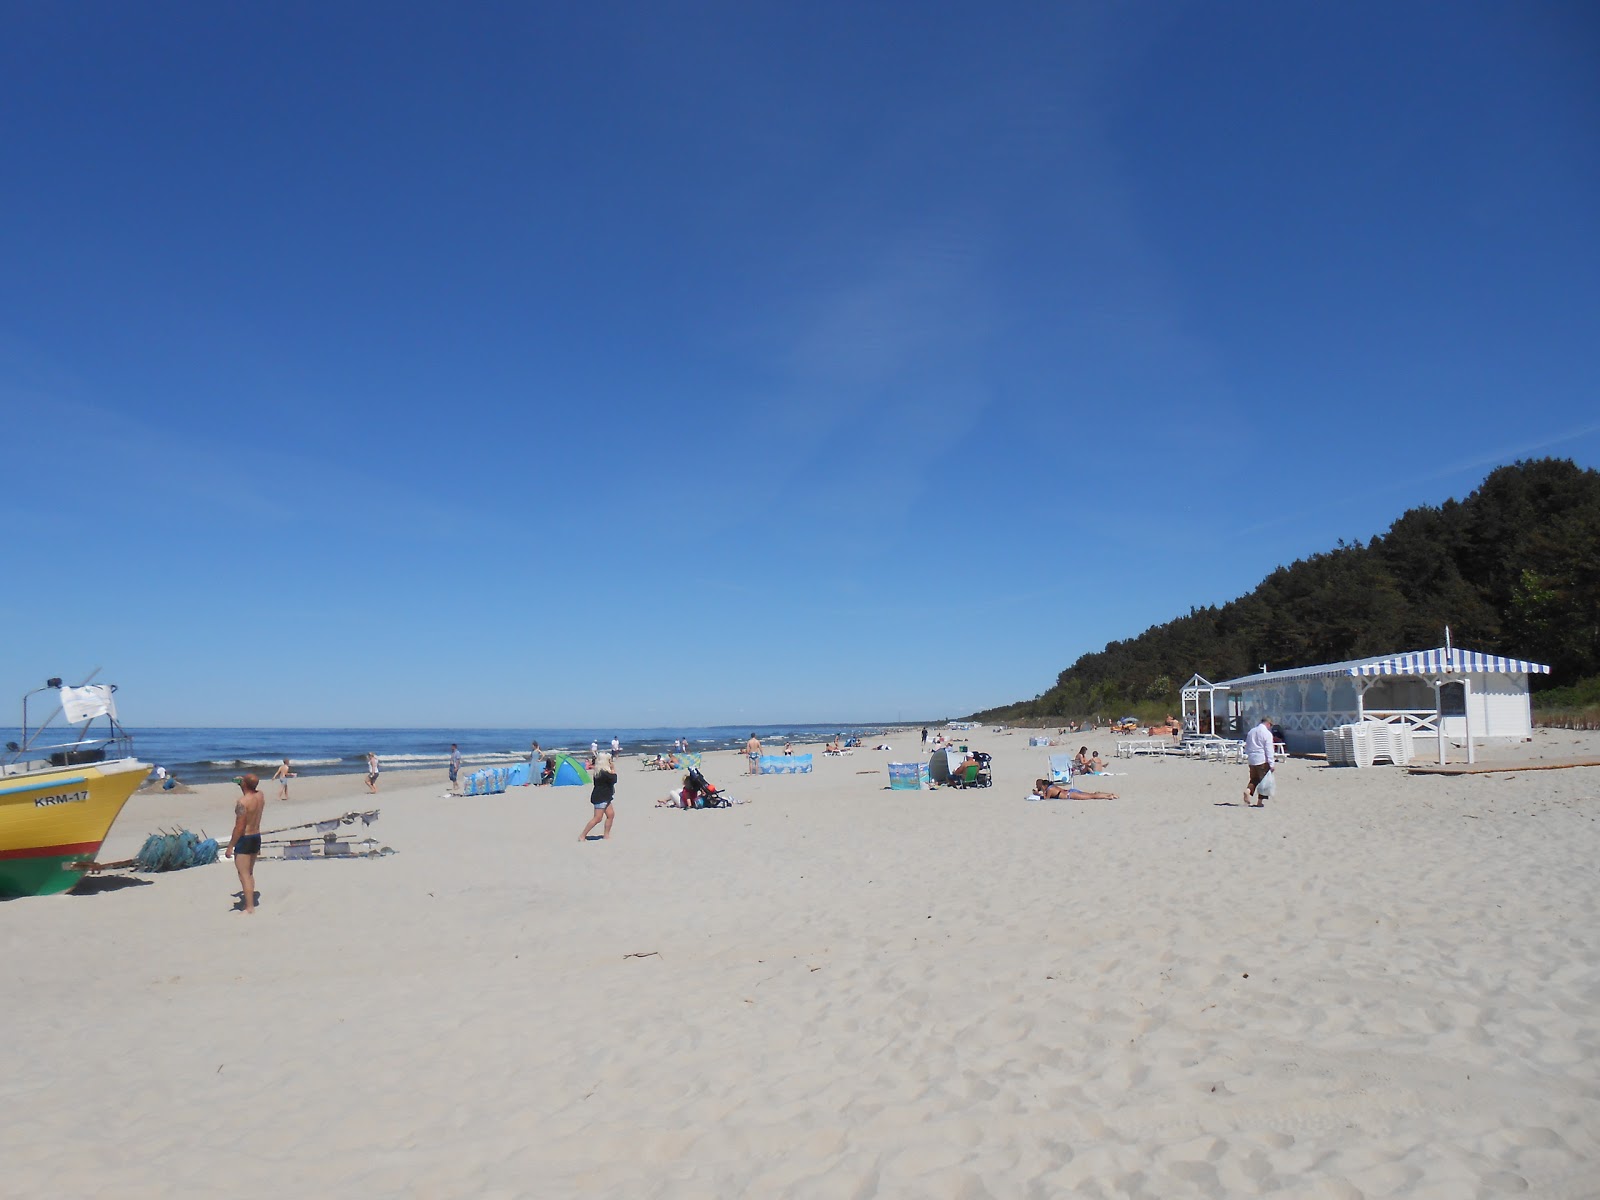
(244, 847)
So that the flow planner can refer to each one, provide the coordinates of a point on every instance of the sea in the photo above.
(209, 755)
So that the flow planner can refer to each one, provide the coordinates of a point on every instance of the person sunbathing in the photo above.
(1081, 762)
(1046, 790)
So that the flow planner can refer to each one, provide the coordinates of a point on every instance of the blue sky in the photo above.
(676, 364)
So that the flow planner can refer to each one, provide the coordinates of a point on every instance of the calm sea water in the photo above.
(207, 755)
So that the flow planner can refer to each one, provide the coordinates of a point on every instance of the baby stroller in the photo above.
(699, 792)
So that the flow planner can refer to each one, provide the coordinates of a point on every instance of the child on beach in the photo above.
(245, 845)
(603, 797)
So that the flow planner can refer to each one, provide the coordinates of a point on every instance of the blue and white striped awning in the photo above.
(1453, 661)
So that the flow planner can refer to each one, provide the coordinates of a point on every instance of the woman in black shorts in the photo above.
(603, 797)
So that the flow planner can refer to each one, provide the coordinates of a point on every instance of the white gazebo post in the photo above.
(1466, 713)
(1361, 686)
(1438, 715)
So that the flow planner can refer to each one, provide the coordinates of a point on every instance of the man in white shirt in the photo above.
(1258, 753)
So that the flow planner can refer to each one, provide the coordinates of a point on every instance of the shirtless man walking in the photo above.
(281, 777)
(244, 847)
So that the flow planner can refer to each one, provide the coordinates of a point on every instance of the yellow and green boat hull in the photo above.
(53, 819)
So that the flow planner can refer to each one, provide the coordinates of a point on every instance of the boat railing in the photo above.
(88, 744)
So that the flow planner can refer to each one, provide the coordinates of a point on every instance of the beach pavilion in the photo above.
(1199, 700)
(1450, 695)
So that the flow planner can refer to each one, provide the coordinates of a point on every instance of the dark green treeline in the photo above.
(1513, 569)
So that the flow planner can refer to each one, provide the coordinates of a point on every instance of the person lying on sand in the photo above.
(1046, 790)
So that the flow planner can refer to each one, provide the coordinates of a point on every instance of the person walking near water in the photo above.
(372, 772)
(752, 750)
(1258, 753)
(244, 847)
(455, 763)
(282, 775)
(604, 796)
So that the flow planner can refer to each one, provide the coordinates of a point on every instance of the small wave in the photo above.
(270, 762)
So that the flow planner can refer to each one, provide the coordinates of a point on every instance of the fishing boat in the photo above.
(57, 801)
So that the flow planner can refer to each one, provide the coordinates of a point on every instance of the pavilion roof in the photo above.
(1441, 661)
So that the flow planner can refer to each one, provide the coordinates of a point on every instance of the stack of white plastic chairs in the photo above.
(1364, 743)
(1392, 742)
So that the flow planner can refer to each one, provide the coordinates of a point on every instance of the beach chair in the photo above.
(1061, 768)
(970, 776)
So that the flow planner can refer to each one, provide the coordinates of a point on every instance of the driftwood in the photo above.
(94, 868)
(1497, 768)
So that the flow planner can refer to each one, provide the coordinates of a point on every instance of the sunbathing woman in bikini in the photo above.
(1046, 790)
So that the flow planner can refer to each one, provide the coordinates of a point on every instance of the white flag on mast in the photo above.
(80, 704)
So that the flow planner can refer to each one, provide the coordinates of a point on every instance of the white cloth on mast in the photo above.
(80, 704)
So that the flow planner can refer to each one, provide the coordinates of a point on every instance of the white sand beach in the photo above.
(1379, 985)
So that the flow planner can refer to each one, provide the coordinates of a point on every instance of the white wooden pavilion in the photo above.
(1449, 694)
(1199, 700)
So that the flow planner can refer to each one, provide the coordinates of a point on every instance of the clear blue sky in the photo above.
(518, 364)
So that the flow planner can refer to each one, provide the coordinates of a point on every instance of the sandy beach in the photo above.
(1379, 985)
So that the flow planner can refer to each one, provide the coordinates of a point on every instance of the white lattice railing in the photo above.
(1420, 720)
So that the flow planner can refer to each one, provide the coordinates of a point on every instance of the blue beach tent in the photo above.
(570, 772)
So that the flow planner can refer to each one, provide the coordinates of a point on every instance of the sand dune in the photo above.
(1380, 985)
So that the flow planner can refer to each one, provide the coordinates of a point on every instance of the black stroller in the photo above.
(699, 792)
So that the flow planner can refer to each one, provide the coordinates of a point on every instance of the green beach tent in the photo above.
(569, 772)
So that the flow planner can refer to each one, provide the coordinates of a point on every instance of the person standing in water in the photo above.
(244, 847)
(282, 775)
(604, 796)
